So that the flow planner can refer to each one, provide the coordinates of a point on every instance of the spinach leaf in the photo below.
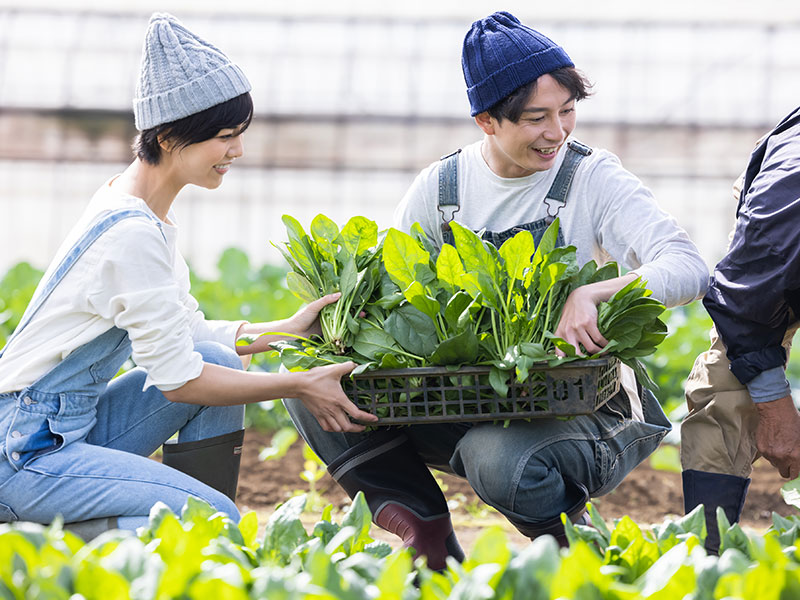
(457, 350)
(412, 329)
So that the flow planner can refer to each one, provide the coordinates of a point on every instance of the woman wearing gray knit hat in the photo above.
(525, 171)
(72, 440)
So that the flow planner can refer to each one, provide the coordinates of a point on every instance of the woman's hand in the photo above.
(320, 390)
(578, 324)
(305, 322)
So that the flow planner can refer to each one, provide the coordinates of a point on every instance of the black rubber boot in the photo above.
(401, 493)
(713, 490)
(213, 461)
(576, 513)
(90, 529)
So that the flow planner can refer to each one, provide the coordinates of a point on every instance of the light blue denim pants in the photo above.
(76, 442)
(521, 470)
(105, 471)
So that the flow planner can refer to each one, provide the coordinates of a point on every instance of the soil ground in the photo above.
(648, 496)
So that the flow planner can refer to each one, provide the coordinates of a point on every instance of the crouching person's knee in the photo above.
(222, 504)
(225, 505)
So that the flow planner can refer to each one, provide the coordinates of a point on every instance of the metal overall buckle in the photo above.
(445, 220)
(551, 216)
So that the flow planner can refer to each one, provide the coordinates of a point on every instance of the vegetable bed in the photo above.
(203, 555)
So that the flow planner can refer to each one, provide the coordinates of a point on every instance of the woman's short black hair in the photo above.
(511, 106)
(235, 113)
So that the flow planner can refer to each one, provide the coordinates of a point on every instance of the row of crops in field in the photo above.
(204, 555)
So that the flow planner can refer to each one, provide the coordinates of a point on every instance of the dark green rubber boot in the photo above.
(214, 461)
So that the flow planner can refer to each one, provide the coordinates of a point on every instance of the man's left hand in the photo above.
(578, 324)
(778, 435)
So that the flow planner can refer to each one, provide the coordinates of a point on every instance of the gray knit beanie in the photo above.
(181, 75)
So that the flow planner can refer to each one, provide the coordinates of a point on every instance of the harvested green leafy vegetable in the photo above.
(328, 261)
(465, 304)
(437, 320)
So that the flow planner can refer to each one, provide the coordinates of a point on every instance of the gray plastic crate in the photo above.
(438, 394)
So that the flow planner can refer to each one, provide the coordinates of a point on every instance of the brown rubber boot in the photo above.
(401, 493)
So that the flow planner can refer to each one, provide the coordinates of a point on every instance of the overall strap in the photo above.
(557, 194)
(448, 189)
(87, 239)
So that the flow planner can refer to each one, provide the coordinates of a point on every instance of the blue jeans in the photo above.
(105, 472)
(521, 470)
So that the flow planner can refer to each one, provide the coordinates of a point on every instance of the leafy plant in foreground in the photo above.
(202, 554)
(437, 319)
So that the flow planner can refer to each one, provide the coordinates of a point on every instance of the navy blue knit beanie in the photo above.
(500, 54)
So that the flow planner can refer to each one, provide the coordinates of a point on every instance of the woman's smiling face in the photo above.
(205, 163)
(532, 143)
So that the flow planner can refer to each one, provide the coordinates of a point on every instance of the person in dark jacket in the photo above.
(739, 398)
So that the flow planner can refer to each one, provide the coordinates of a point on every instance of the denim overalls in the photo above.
(555, 199)
(76, 443)
(525, 469)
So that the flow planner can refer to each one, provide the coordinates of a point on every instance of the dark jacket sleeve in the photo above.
(756, 287)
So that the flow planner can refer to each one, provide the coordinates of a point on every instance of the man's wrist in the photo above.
(602, 291)
(776, 409)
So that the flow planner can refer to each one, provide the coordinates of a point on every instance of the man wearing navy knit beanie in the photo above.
(526, 171)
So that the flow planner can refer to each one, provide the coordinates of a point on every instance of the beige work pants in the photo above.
(719, 433)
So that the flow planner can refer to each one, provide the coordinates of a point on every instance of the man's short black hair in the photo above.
(511, 106)
(236, 114)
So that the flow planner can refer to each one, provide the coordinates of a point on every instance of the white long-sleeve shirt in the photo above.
(131, 277)
(609, 215)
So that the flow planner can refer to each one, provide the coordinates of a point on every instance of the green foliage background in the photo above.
(16, 289)
(243, 291)
(669, 367)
